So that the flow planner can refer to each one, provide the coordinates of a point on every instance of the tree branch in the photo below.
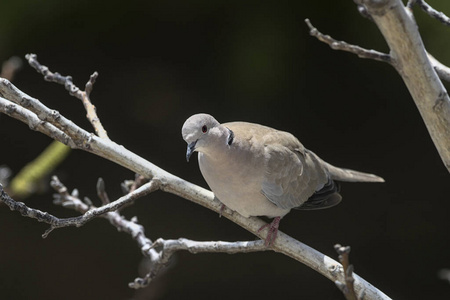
(22, 114)
(56, 222)
(442, 70)
(409, 58)
(66, 81)
(343, 46)
(159, 179)
(169, 247)
(440, 16)
(347, 288)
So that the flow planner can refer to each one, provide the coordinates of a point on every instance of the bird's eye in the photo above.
(204, 129)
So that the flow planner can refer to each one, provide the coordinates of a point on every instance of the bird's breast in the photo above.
(236, 182)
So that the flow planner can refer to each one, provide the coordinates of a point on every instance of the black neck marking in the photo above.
(230, 137)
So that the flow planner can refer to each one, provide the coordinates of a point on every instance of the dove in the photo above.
(256, 170)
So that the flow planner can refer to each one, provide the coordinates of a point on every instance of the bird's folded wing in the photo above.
(291, 176)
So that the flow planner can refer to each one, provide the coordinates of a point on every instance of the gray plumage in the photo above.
(259, 171)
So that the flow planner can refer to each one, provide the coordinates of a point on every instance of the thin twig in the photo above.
(56, 222)
(346, 288)
(66, 81)
(440, 16)
(343, 46)
(442, 70)
(101, 191)
(72, 201)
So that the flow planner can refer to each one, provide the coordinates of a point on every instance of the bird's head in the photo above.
(199, 131)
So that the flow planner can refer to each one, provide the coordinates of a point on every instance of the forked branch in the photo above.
(30, 110)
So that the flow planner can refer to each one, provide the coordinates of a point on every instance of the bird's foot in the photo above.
(273, 231)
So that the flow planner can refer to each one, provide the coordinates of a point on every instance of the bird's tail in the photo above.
(340, 174)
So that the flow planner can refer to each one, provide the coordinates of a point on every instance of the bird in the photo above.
(256, 170)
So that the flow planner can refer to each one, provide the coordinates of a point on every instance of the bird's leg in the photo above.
(273, 231)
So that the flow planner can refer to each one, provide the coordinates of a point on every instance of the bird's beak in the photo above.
(190, 150)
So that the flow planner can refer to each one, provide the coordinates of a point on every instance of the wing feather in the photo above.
(292, 175)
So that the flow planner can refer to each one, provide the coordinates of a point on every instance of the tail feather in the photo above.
(340, 174)
(326, 197)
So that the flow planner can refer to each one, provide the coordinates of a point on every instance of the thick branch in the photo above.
(410, 60)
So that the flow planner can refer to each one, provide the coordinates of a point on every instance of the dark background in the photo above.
(162, 61)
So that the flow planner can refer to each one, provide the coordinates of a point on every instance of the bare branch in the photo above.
(440, 16)
(74, 221)
(173, 184)
(442, 70)
(44, 114)
(170, 247)
(348, 288)
(101, 191)
(72, 201)
(17, 112)
(343, 46)
(166, 248)
(66, 81)
(410, 60)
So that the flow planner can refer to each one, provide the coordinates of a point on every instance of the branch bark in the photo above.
(410, 59)
(81, 139)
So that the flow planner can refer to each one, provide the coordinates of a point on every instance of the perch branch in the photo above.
(169, 183)
(84, 96)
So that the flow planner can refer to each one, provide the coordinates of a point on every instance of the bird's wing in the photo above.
(292, 175)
